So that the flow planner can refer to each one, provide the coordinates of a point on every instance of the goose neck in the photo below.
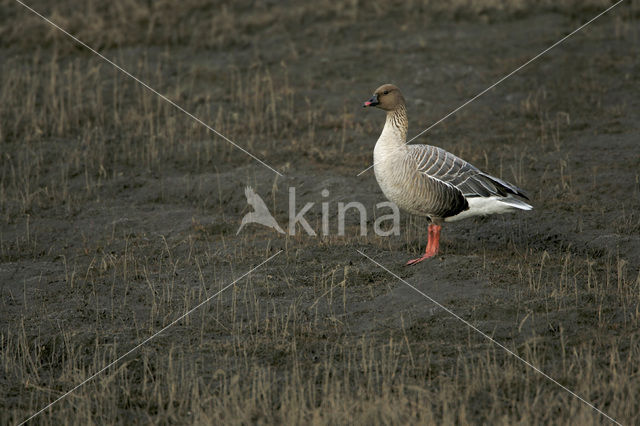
(395, 128)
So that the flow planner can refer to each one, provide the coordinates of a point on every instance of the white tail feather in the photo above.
(483, 206)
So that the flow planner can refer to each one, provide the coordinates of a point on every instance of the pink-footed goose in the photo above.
(429, 181)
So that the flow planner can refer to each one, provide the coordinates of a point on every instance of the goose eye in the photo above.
(386, 92)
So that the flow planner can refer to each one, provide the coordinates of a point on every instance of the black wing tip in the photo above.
(507, 188)
(514, 190)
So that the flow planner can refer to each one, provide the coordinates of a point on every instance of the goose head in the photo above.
(386, 97)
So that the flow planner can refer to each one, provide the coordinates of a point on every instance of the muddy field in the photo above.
(119, 214)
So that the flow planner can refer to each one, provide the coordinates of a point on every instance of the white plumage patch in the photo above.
(483, 206)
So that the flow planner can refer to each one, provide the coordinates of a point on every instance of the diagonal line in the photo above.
(128, 74)
(510, 352)
(146, 341)
(506, 76)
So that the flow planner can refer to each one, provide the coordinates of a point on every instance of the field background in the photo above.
(118, 213)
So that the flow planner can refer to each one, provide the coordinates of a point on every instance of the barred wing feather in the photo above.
(449, 169)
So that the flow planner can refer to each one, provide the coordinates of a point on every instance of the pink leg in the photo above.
(433, 244)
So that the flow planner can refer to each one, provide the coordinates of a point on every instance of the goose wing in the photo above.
(433, 195)
(449, 169)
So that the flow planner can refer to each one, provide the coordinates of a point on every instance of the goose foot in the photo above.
(433, 244)
(420, 259)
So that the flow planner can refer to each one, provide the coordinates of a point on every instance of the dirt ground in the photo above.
(119, 213)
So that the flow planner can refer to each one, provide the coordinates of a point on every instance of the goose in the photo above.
(428, 181)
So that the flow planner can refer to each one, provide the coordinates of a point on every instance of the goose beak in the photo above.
(371, 102)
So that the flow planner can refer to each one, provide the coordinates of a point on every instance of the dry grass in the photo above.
(118, 214)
